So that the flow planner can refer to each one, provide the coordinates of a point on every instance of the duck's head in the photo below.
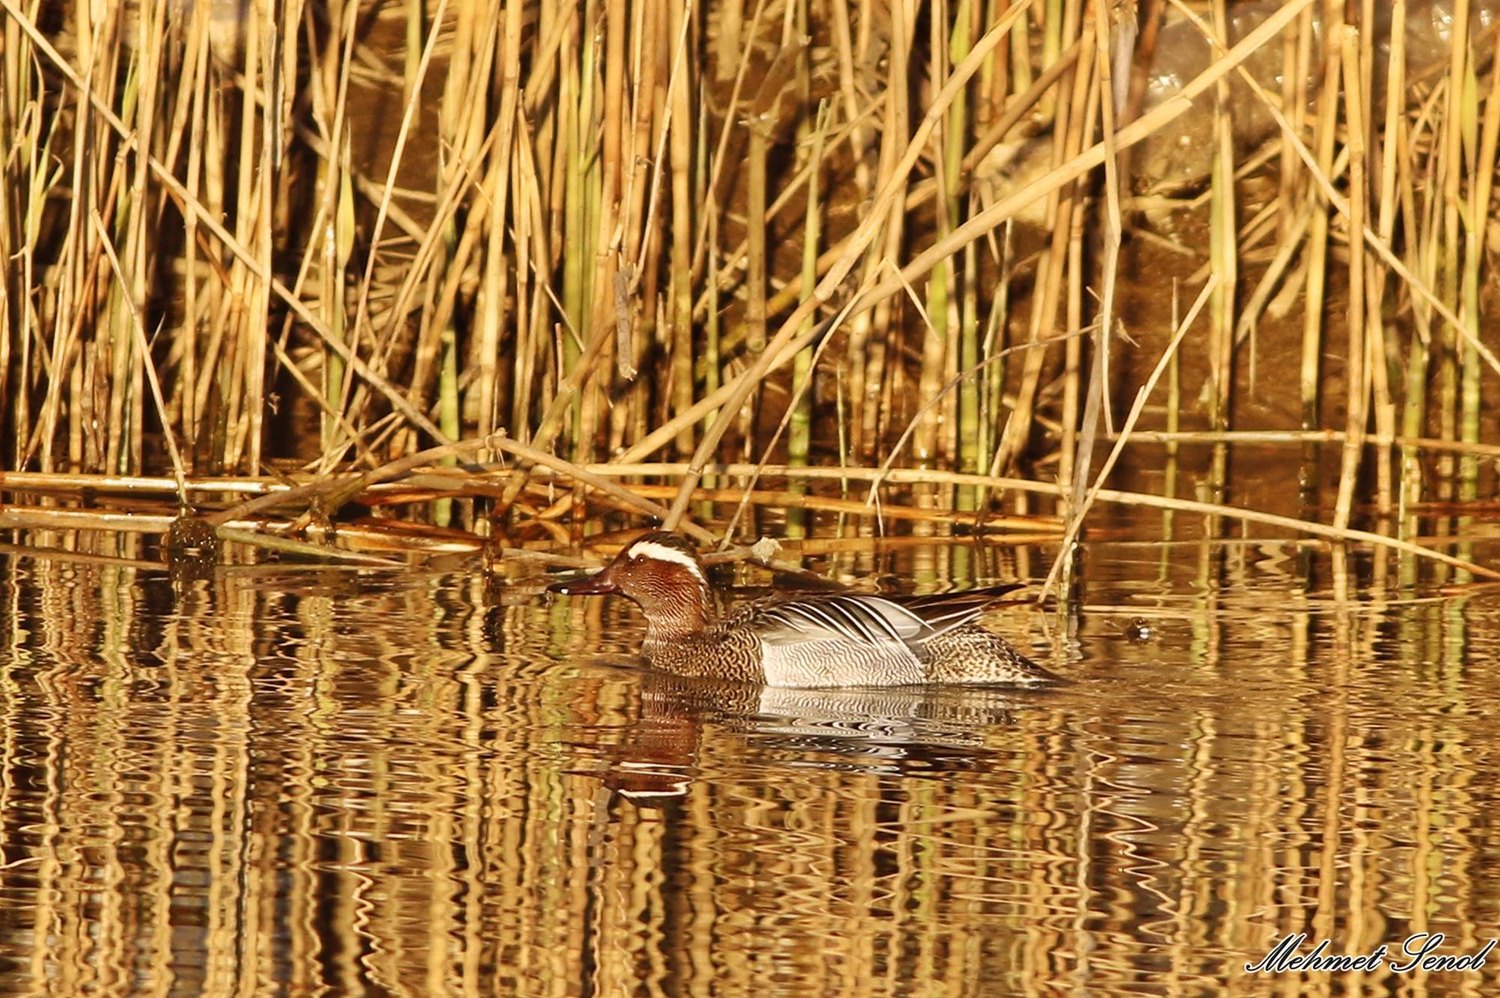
(661, 572)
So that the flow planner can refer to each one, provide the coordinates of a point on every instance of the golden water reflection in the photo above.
(303, 782)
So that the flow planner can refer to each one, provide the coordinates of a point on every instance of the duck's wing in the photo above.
(839, 640)
(866, 617)
(856, 618)
(851, 639)
(942, 612)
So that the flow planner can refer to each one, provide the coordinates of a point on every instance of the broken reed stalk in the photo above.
(1079, 510)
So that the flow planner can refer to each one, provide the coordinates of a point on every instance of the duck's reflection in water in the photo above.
(655, 760)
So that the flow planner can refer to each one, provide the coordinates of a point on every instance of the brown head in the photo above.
(661, 572)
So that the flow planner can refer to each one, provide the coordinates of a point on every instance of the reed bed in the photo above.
(337, 242)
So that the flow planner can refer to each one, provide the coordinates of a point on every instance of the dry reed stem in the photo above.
(584, 476)
(1325, 135)
(1081, 508)
(1383, 403)
(679, 128)
(268, 537)
(255, 533)
(76, 482)
(40, 552)
(1357, 386)
(1113, 236)
(1478, 221)
(351, 484)
(1224, 253)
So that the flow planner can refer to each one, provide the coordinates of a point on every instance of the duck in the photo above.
(834, 639)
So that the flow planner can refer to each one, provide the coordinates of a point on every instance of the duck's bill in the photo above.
(589, 585)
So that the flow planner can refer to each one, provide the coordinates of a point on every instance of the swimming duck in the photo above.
(806, 640)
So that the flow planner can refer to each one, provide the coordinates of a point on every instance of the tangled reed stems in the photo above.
(327, 236)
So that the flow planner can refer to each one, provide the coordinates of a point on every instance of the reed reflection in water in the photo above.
(298, 782)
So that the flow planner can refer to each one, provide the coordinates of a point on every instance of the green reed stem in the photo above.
(799, 435)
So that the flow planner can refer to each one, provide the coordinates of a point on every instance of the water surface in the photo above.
(289, 780)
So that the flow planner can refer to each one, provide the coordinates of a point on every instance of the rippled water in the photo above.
(303, 781)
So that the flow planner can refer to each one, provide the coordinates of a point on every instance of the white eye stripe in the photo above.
(661, 552)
